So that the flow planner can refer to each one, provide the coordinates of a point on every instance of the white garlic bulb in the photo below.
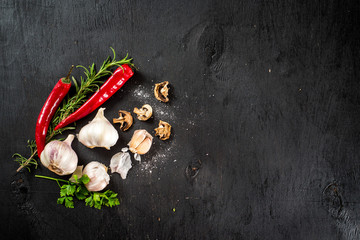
(99, 132)
(97, 173)
(121, 163)
(59, 157)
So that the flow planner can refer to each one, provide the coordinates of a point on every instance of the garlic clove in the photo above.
(97, 173)
(144, 147)
(136, 140)
(121, 163)
(99, 132)
(140, 142)
(59, 157)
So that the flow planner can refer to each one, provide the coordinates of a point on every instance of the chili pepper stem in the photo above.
(27, 161)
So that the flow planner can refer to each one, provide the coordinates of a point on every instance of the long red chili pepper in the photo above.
(48, 110)
(113, 84)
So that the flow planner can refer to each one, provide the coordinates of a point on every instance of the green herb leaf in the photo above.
(96, 197)
(69, 203)
(89, 201)
(113, 202)
(67, 190)
(60, 200)
(84, 179)
(81, 192)
(92, 199)
(75, 178)
(97, 205)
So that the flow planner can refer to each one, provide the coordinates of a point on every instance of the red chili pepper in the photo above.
(48, 110)
(113, 84)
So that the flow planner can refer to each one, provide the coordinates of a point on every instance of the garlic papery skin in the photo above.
(78, 173)
(97, 173)
(140, 142)
(99, 132)
(59, 157)
(121, 163)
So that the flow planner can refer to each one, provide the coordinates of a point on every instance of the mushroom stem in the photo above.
(144, 113)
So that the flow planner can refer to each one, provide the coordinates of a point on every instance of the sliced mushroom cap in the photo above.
(163, 131)
(125, 119)
(161, 91)
(144, 113)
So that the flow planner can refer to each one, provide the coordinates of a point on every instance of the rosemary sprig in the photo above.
(24, 162)
(88, 84)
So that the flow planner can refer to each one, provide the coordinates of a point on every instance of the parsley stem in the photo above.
(54, 179)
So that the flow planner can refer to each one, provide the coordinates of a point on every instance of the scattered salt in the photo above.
(163, 112)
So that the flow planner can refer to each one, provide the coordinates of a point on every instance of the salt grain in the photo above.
(158, 160)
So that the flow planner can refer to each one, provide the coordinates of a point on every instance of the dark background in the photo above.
(264, 102)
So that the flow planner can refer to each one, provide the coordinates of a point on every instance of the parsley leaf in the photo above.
(69, 203)
(61, 200)
(69, 190)
(89, 201)
(84, 179)
(113, 201)
(81, 192)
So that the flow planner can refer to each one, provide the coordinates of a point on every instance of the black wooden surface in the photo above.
(264, 101)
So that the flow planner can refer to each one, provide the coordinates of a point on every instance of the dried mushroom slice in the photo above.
(144, 113)
(161, 91)
(125, 119)
(163, 131)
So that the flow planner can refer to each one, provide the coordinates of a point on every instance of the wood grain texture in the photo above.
(264, 104)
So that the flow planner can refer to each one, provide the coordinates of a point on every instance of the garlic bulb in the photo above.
(140, 142)
(99, 179)
(121, 163)
(99, 132)
(59, 157)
